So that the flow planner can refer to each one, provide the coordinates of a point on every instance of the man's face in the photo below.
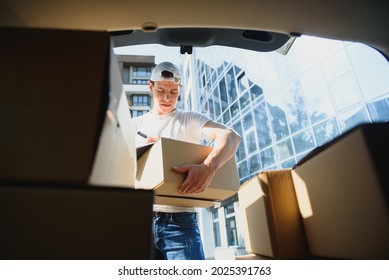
(165, 95)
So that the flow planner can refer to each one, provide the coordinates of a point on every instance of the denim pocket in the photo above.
(184, 219)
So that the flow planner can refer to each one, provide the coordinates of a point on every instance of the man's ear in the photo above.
(151, 86)
(180, 89)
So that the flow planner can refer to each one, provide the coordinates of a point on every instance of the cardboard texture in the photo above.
(272, 222)
(154, 171)
(250, 257)
(115, 157)
(74, 222)
(342, 191)
(55, 94)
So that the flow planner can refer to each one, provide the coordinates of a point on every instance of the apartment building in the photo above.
(136, 71)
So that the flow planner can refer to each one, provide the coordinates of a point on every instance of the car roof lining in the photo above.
(263, 41)
(358, 21)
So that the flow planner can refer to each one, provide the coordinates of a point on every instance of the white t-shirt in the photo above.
(179, 125)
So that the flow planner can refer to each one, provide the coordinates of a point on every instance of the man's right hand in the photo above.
(152, 139)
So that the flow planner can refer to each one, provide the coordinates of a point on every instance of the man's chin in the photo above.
(167, 109)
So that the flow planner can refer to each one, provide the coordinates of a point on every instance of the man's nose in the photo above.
(167, 96)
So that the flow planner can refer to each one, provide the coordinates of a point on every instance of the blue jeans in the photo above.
(176, 236)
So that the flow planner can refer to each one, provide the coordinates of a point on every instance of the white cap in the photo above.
(166, 71)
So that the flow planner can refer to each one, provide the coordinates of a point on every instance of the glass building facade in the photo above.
(284, 106)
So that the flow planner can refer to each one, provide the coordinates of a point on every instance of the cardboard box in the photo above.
(74, 222)
(183, 201)
(343, 194)
(272, 222)
(250, 257)
(115, 159)
(60, 109)
(154, 171)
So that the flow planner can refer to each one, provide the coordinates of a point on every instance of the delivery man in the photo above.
(176, 234)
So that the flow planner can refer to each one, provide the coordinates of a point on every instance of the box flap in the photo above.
(142, 149)
(149, 171)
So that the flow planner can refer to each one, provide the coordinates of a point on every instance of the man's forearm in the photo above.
(225, 146)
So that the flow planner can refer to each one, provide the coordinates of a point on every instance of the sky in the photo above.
(161, 53)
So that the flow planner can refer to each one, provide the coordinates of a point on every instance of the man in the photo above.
(176, 234)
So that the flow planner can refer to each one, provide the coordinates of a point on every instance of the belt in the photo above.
(156, 213)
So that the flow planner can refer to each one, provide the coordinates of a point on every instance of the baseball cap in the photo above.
(166, 71)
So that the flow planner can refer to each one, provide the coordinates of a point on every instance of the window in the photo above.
(135, 74)
(223, 95)
(319, 103)
(137, 113)
(216, 228)
(278, 117)
(256, 92)
(248, 121)
(244, 101)
(345, 91)
(243, 169)
(326, 131)
(379, 110)
(303, 141)
(255, 164)
(262, 125)
(353, 117)
(268, 158)
(296, 109)
(285, 149)
(211, 108)
(234, 109)
(232, 233)
(251, 142)
(140, 100)
(141, 71)
(140, 81)
(216, 100)
(126, 74)
(288, 164)
(226, 116)
(243, 82)
(231, 86)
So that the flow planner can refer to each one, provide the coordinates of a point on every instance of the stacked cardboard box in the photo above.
(270, 213)
(67, 151)
(59, 221)
(154, 171)
(342, 193)
(63, 112)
